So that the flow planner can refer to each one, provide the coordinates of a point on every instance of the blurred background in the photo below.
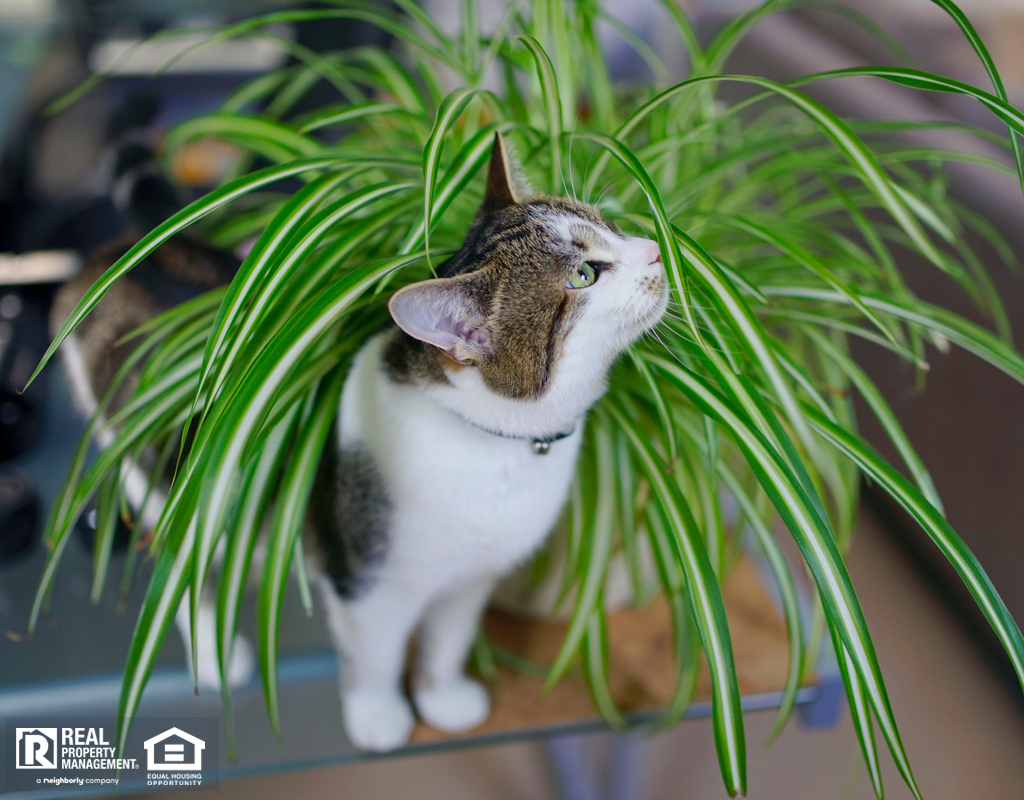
(71, 180)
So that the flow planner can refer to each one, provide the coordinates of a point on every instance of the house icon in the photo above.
(174, 750)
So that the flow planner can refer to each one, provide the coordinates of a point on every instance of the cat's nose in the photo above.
(652, 252)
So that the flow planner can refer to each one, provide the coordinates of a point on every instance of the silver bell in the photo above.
(541, 448)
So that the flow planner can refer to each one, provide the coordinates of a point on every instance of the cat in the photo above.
(456, 442)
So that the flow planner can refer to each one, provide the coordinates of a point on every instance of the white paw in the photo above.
(453, 707)
(376, 720)
(240, 672)
(207, 674)
(243, 663)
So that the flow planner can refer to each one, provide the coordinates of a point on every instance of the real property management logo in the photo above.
(36, 748)
(66, 748)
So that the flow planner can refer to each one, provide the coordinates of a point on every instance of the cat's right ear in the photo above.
(501, 187)
(443, 312)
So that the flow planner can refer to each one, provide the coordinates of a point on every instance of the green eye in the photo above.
(581, 277)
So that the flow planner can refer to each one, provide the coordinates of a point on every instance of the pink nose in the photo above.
(652, 252)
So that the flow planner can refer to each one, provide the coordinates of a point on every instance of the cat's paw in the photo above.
(243, 665)
(454, 706)
(377, 720)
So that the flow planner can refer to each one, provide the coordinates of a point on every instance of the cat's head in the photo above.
(543, 290)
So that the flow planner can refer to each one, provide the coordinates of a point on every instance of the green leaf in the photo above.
(597, 551)
(787, 594)
(814, 264)
(451, 109)
(106, 524)
(884, 413)
(708, 609)
(259, 284)
(917, 79)
(595, 668)
(166, 587)
(940, 532)
(552, 107)
(816, 543)
(254, 498)
(860, 713)
(245, 131)
(177, 222)
(955, 328)
(289, 513)
(345, 114)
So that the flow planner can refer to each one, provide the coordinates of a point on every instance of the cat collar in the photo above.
(541, 444)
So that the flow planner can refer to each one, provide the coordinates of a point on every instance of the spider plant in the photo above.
(781, 224)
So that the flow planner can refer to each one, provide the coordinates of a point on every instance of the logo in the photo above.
(36, 748)
(174, 750)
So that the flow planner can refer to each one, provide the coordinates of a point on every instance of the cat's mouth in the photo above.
(662, 305)
(656, 288)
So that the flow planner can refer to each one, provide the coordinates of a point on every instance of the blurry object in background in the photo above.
(138, 56)
(88, 522)
(120, 189)
(23, 340)
(56, 169)
(41, 266)
(25, 12)
(19, 515)
(23, 24)
(203, 162)
(140, 192)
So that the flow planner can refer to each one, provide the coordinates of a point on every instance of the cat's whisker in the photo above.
(586, 176)
(572, 136)
(607, 189)
(654, 334)
(679, 311)
(561, 165)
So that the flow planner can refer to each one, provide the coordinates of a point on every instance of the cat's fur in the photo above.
(436, 484)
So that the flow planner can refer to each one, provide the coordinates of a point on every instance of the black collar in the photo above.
(541, 444)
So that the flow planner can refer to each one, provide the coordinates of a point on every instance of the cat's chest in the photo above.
(474, 473)
(469, 485)
(470, 505)
(458, 494)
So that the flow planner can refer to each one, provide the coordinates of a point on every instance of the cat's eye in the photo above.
(585, 274)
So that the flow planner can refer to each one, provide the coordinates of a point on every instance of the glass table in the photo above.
(71, 666)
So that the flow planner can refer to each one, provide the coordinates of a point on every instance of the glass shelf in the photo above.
(72, 665)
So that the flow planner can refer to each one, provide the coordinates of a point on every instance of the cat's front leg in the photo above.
(371, 634)
(445, 697)
(207, 671)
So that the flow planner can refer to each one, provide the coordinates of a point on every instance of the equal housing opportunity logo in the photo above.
(174, 749)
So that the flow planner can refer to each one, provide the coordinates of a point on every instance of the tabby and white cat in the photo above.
(456, 441)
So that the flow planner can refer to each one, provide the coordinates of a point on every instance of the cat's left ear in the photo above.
(443, 312)
(501, 185)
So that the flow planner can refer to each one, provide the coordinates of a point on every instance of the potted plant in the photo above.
(781, 227)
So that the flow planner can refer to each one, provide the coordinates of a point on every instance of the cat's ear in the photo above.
(444, 313)
(501, 186)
